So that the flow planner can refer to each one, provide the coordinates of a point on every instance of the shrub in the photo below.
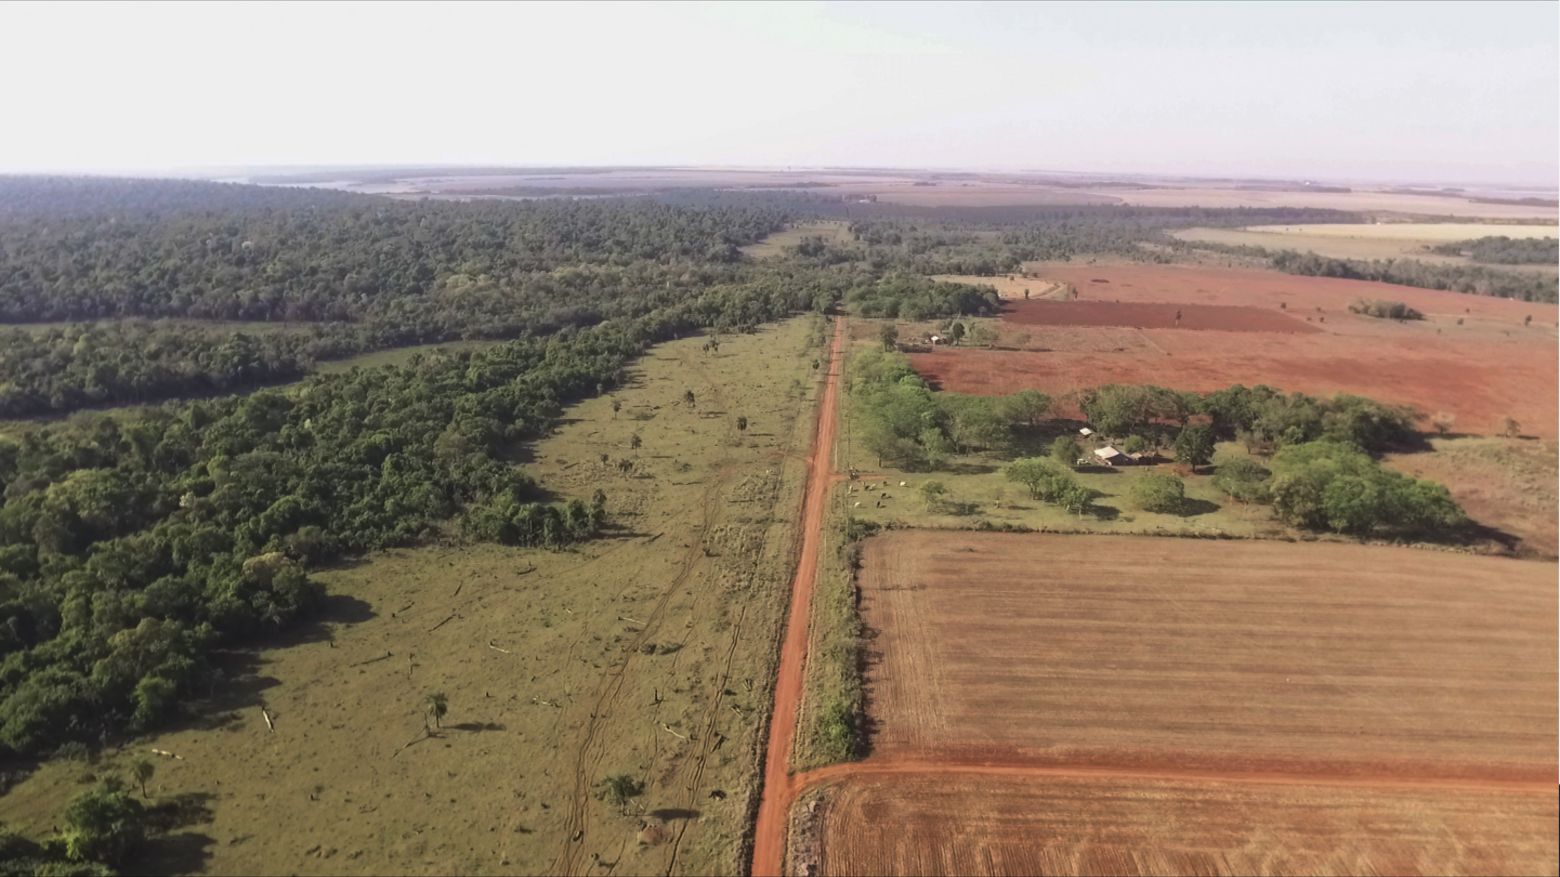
(1159, 493)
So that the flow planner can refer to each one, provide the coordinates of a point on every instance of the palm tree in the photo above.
(438, 705)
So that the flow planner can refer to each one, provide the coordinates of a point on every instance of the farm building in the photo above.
(1111, 456)
(1085, 431)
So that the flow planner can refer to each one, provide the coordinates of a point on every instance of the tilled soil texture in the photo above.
(970, 824)
(1107, 704)
(1474, 358)
(1126, 651)
(1154, 315)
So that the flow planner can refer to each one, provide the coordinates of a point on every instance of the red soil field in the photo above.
(973, 824)
(1116, 704)
(1486, 369)
(1142, 652)
(1152, 315)
(1202, 284)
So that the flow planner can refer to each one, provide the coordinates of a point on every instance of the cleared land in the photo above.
(778, 243)
(1506, 484)
(1481, 371)
(1363, 201)
(647, 653)
(1442, 232)
(1395, 240)
(951, 824)
(1118, 704)
(1151, 315)
(1238, 656)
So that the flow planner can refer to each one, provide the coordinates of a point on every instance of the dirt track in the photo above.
(769, 835)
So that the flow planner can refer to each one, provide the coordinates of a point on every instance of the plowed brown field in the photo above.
(1087, 704)
(1011, 825)
(1487, 369)
(1153, 315)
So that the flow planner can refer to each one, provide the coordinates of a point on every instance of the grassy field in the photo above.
(646, 654)
(397, 355)
(832, 230)
(1507, 484)
(1394, 240)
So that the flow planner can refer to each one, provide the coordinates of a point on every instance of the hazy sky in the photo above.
(1434, 91)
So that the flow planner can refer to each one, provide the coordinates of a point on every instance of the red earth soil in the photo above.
(1480, 371)
(1201, 284)
(1153, 315)
(769, 833)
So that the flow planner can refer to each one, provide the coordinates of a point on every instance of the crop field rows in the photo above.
(1103, 704)
(1475, 358)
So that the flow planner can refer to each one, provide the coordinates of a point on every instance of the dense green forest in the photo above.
(131, 547)
(1503, 250)
(76, 365)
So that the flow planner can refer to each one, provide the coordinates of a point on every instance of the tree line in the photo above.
(131, 547)
(1503, 250)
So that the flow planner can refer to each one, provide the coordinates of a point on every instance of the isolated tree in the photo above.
(1442, 422)
(1194, 446)
(1527, 320)
(103, 825)
(889, 335)
(617, 405)
(634, 441)
(1509, 427)
(142, 769)
(1074, 497)
(742, 423)
(956, 332)
(1064, 450)
(437, 706)
(982, 335)
(935, 493)
(1159, 493)
(688, 398)
(619, 789)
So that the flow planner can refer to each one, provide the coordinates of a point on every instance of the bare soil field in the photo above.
(1196, 284)
(1101, 704)
(1022, 825)
(1506, 484)
(1353, 247)
(647, 653)
(1011, 287)
(1363, 201)
(1436, 232)
(1153, 315)
(1145, 653)
(1487, 368)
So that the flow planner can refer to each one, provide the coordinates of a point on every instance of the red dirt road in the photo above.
(774, 807)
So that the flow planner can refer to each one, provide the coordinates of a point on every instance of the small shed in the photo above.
(1086, 431)
(935, 339)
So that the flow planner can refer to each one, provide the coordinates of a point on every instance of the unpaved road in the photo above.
(774, 806)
